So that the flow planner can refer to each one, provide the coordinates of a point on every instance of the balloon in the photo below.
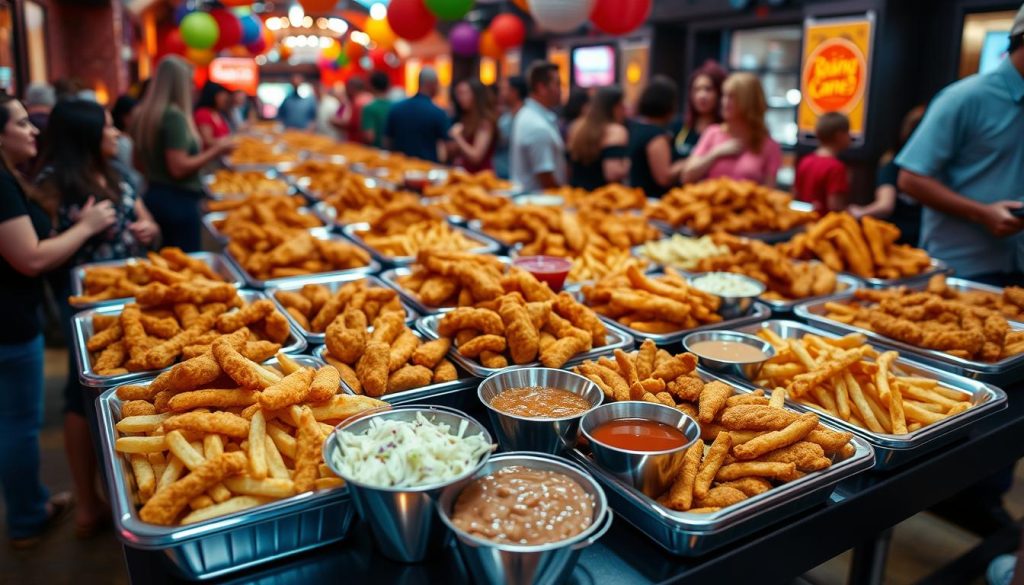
(522, 5)
(508, 30)
(183, 10)
(257, 47)
(252, 28)
(560, 15)
(410, 19)
(380, 33)
(230, 29)
(332, 50)
(378, 57)
(172, 43)
(354, 50)
(201, 57)
(230, 3)
(199, 30)
(489, 47)
(464, 38)
(317, 5)
(618, 17)
(449, 9)
(342, 59)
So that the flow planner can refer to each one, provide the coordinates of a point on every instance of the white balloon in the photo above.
(560, 15)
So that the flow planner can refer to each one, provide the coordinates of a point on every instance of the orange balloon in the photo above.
(522, 5)
(380, 32)
(489, 47)
(200, 57)
(318, 6)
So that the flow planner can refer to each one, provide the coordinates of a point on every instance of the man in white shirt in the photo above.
(537, 152)
(326, 110)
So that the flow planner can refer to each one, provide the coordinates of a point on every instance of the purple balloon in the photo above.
(465, 39)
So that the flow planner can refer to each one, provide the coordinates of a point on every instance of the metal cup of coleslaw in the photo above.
(737, 291)
(403, 520)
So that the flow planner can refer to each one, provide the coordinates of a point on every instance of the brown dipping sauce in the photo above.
(519, 505)
(728, 351)
(540, 402)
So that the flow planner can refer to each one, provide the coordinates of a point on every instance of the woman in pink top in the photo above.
(740, 147)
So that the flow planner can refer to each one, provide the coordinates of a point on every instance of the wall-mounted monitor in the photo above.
(593, 66)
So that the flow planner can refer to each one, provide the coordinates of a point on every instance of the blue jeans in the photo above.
(21, 417)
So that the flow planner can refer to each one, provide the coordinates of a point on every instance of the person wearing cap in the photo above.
(39, 101)
(965, 163)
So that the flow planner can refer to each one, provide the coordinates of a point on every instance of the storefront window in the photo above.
(35, 33)
(7, 81)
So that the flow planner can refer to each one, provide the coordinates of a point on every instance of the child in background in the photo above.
(821, 178)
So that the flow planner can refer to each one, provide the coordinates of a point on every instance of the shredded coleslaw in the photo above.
(395, 453)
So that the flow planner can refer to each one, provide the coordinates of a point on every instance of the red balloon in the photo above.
(172, 43)
(410, 19)
(354, 51)
(318, 5)
(230, 29)
(231, 3)
(508, 31)
(618, 17)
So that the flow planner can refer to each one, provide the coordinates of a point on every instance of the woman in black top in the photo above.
(703, 108)
(78, 149)
(24, 255)
(596, 145)
(650, 150)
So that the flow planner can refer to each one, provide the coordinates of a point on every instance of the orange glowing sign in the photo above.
(836, 71)
(236, 73)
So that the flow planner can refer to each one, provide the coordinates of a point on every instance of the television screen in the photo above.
(593, 66)
(993, 50)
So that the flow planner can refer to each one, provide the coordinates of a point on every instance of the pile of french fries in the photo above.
(753, 443)
(169, 265)
(850, 380)
(234, 183)
(198, 449)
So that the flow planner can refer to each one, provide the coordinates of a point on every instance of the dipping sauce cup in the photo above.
(729, 352)
(548, 269)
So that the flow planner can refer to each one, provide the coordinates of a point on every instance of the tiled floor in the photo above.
(920, 544)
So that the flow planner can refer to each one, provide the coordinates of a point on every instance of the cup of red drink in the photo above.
(551, 270)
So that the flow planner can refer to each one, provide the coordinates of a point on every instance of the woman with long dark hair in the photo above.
(476, 131)
(167, 152)
(76, 165)
(597, 142)
(650, 144)
(703, 108)
(211, 113)
(25, 254)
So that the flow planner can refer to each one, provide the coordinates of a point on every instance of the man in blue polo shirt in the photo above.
(965, 163)
(416, 127)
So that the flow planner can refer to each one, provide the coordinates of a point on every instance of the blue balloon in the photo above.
(182, 11)
(251, 29)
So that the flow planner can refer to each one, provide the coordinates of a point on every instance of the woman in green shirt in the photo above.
(167, 152)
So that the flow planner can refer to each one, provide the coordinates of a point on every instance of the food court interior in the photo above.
(512, 291)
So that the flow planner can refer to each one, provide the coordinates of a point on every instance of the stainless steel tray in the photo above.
(217, 262)
(226, 544)
(269, 171)
(935, 267)
(844, 284)
(333, 283)
(390, 277)
(424, 394)
(1004, 371)
(689, 535)
(894, 450)
(211, 219)
(487, 245)
(758, 312)
(320, 233)
(81, 325)
(617, 339)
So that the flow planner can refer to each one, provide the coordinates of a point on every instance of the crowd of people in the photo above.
(79, 184)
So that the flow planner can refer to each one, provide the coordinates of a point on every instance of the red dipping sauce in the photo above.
(551, 270)
(638, 434)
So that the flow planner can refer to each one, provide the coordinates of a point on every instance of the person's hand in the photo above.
(856, 211)
(144, 230)
(224, 146)
(999, 220)
(97, 217)
(456, 130)
(731, 147)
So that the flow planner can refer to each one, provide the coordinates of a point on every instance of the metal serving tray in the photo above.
(425, 394)
(617, 339)
(690, 535)
(758, 312)
(217, 262)
(333, 283)
(936, 266)
(1008, 370)
(81, 324)
(894, 450)
(229, 543)
(844, 284)
(487, 245)
(269, 172)
(390, 277)
(211, 219)
(320, 233)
